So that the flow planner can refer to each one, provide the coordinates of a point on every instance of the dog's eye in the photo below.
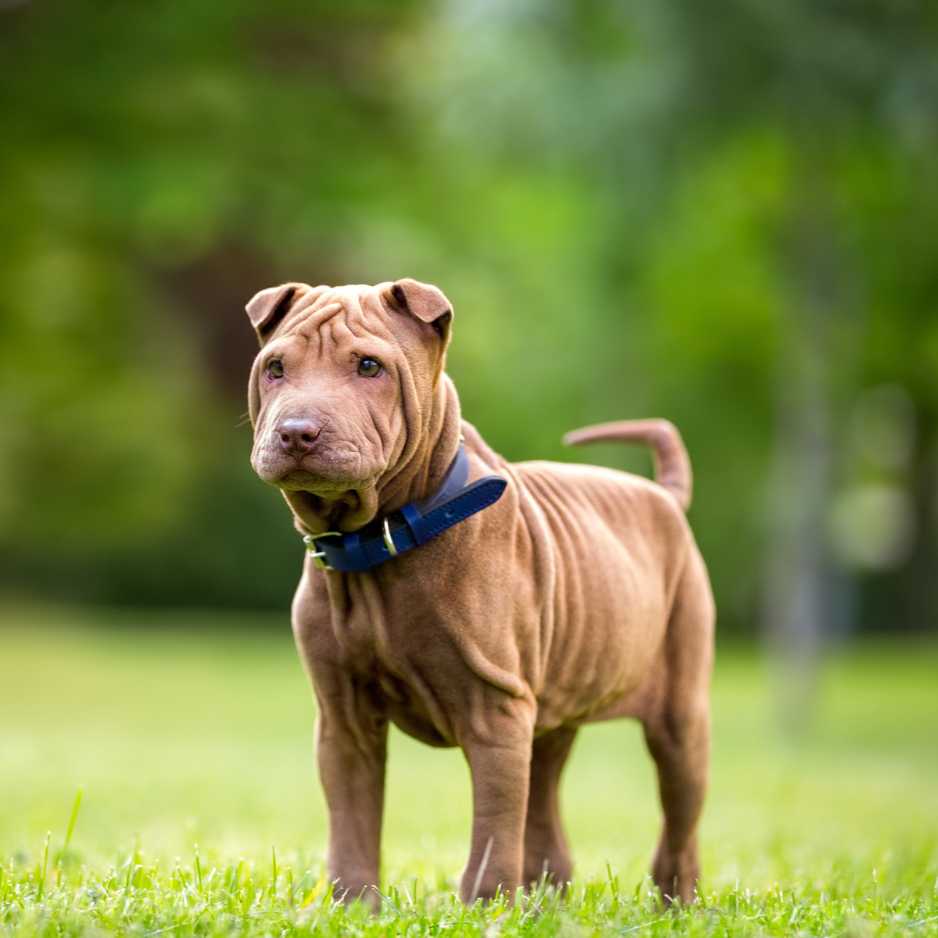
(275, 368)
(369, 367)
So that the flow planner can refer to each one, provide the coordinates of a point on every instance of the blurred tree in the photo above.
(729, 220)
(161, 165)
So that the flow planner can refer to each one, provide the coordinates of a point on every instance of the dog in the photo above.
(473, 602)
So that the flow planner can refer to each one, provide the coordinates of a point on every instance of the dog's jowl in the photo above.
(474, 602)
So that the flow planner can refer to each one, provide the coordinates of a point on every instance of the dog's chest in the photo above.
(410, 687)
(396, 643)
(412, 706)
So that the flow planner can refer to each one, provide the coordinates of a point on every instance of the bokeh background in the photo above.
(726, 216)
(636, 209)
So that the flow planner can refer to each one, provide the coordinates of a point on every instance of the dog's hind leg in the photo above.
(545, 845)
(677, 731)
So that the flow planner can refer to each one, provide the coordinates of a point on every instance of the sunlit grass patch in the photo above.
(201, 813)
(144, 896)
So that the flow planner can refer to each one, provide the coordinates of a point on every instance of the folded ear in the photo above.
(423, 301)
(267, 308)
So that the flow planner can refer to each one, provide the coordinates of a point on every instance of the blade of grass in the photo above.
(44, 868)
(73, 820)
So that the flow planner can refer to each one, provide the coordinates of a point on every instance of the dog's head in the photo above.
(342, 390)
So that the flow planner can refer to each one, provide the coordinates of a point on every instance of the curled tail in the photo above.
(672, 464)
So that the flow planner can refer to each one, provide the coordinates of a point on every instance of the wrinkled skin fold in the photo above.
(579, 596)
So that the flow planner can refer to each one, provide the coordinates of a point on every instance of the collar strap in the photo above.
(413, 525)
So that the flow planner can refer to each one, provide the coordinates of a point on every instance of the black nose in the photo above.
(298, 435)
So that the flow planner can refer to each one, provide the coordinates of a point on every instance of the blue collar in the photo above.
(413, 525)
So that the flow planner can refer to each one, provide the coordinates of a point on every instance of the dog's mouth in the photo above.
(300, 479)
(326, 472)
(328, 491)
(320, 500)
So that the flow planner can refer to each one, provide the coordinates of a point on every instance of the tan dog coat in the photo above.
(579, 596)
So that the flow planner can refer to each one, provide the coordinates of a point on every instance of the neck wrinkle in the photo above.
(427, 467)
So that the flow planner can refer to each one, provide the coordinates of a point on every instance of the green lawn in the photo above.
(201, 812)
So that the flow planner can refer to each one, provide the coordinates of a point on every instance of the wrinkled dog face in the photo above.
(344, 379)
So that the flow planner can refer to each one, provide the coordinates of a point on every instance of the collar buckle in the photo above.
(319, 556)
(388, 539)
(418, 522)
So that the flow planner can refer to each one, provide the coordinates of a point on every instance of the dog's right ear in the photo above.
(267, 308)
(424, 302)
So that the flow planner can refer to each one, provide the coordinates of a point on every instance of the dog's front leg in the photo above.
(499, 759)
(351, 752)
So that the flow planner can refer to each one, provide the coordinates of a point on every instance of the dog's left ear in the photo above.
(267, 308)
(423, 301)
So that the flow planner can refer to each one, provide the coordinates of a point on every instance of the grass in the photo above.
(200, 813)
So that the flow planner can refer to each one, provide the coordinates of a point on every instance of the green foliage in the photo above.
(190, 749)
(636, 209)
